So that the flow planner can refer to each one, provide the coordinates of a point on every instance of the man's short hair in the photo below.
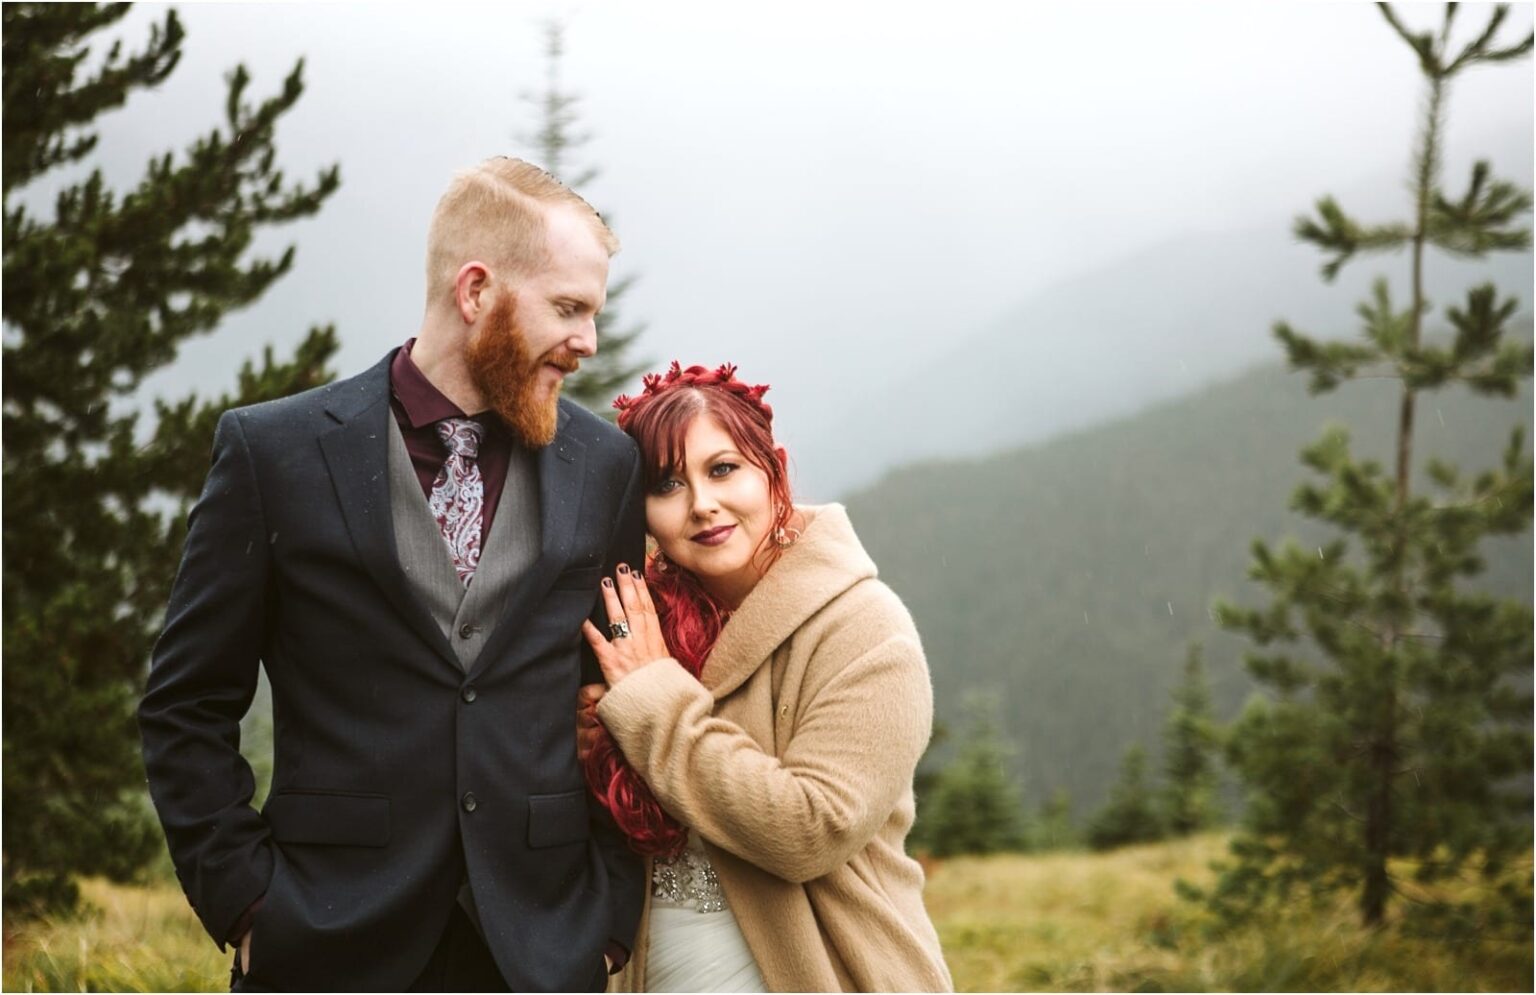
(495, 212)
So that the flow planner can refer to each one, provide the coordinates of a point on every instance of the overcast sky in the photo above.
(823, 193)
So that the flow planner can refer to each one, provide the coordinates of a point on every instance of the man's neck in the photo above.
(439, 355)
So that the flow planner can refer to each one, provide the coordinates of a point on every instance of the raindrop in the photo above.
(1170, 608)
(1441, 417)
(1320, 555)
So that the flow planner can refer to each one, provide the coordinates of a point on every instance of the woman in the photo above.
(770, 701)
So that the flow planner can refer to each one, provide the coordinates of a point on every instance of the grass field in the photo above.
(1111, 922)
(1056, 922)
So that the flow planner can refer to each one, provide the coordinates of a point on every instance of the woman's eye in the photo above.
(666, 486)
(721, 469)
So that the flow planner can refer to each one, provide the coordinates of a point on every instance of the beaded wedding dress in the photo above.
(695, 944)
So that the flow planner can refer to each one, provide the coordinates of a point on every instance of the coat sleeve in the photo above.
(848, 761)
(626, 871)
(202, 678)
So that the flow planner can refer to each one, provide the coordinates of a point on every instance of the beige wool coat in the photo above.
(793, 760)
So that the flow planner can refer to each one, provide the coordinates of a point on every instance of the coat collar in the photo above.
(824, 562)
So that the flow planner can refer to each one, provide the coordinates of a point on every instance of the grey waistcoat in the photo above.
(466, 615)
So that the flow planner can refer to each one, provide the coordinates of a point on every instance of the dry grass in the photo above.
(130, 939)
(1111, 922)
(1054, 922)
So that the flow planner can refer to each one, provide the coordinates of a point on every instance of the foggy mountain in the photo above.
(1065, 580)
(1152, 326)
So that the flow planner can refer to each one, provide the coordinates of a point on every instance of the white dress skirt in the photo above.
(695, 944)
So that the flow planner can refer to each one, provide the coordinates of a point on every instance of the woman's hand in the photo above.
(586, 720)
(629, 602)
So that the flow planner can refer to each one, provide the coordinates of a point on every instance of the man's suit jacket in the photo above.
(394, 765)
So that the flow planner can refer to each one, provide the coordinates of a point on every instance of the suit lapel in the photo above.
(561, 466)
(356, 454)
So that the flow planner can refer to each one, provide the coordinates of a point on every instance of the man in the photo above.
(410, 553)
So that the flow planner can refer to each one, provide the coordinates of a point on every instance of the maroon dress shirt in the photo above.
(419, 406)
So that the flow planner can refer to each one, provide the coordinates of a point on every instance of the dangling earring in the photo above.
(661, 563)
(783, 537)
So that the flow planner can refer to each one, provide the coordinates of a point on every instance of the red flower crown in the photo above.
(722, 377)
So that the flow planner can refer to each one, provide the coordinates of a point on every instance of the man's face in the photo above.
(533, 336)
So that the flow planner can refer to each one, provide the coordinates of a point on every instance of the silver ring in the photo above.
(619, 629)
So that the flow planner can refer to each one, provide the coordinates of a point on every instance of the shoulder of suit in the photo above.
(347, 395)
(592, 430)
(301, 412)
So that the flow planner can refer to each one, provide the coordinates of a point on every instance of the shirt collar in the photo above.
(423, 403)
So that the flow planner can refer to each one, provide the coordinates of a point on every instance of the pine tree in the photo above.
(1395, 728)
(973, 805)
(1130, 815)
(1051, 828)
(602, 376)
(926, 777)
(1189, 754)
(98, 294)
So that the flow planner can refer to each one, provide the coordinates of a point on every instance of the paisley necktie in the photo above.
(458, 494)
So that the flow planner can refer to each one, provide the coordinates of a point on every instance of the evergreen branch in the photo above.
(1479, 326)
(1483, 220)
(1329, 363)
(43, 50)
(1368, 630)
(1422, 44)
(1336, 233)
(1475, 47)
(1391, 330)
(1345, 809)
(1511, 53)
(1478, 50)
(1501, 375)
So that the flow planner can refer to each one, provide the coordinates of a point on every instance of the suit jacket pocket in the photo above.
(557, 819)
(326, 817)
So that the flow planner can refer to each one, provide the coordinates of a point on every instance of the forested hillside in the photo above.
(1066, 579)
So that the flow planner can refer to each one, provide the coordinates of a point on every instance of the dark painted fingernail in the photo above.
(607, 581)
(623, 569)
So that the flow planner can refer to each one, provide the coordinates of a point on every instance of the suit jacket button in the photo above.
(469, 801)
(467, 631)
(469, 694)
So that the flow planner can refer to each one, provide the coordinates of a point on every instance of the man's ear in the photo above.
(471, 290)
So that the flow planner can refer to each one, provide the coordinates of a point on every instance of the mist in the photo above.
(841, 199)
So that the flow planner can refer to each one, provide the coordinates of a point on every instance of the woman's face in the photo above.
(710, 516)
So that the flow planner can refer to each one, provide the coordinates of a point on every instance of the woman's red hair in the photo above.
(690, 619)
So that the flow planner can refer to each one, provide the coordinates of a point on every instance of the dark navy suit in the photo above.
(396, 770)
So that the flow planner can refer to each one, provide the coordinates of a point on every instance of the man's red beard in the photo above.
(508, 377)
